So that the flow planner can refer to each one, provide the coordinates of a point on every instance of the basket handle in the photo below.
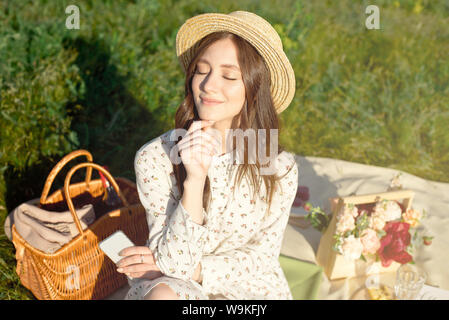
(67, 192)
(54, 172)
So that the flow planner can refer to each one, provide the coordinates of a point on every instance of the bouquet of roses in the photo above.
(383, 231)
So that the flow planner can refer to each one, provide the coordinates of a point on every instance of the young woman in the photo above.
(216, 219)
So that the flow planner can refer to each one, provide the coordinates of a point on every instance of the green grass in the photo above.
(379, 97)
(376, 97)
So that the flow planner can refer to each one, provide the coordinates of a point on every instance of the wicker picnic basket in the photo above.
(79, 270)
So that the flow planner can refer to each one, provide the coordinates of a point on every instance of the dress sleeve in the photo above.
(176, 241)
(245, 268)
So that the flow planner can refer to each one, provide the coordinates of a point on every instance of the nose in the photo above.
(210, 83)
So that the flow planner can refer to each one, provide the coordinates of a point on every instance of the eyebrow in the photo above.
(229, 66)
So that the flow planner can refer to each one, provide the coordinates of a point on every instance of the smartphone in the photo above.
(115, 243)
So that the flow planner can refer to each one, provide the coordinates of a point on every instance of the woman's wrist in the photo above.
(195, 182)
(192, 199)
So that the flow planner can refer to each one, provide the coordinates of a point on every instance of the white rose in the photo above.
(345, 223)
(379, 209)
(349, 210)
(376, 222)
(389, 209)
(351, 248)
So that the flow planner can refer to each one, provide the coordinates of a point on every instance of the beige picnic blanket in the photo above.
(328, 178)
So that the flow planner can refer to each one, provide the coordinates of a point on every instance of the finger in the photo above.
(199, 124)
(195, 146)
(206, 136)
(141, 267)
(135, 259)
(193, 152)
(196, 155)
(199, 140)
(135, 250)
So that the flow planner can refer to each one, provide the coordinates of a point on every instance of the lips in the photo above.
(210, 101)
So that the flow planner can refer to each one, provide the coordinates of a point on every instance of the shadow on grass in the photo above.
(110, 123)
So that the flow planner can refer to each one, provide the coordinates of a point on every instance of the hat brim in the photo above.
(282, 74)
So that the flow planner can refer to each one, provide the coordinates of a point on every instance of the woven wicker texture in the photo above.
(80, 270)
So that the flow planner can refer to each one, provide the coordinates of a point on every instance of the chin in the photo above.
(207, 116)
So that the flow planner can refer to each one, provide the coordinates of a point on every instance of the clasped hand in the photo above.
(138, 262)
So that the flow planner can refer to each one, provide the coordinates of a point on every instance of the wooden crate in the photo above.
(333, 263)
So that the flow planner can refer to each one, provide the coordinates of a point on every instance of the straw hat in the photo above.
(257, 32)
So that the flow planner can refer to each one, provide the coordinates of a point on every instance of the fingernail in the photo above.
(120, 269)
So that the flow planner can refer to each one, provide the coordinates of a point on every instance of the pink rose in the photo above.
(370, 241)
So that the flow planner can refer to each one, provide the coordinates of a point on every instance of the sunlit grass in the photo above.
(378, 97)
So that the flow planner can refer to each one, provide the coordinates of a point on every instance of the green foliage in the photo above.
(377, 97)
(11, 289)
(34, 119)
(361, 223)
(381, 234)
(317, 217)
(338, 241)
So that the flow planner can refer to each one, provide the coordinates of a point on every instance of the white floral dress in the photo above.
(238, 245)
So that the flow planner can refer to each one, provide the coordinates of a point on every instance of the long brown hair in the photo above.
(257, 113)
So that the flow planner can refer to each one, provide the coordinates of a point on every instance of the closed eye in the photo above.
(206, 73)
